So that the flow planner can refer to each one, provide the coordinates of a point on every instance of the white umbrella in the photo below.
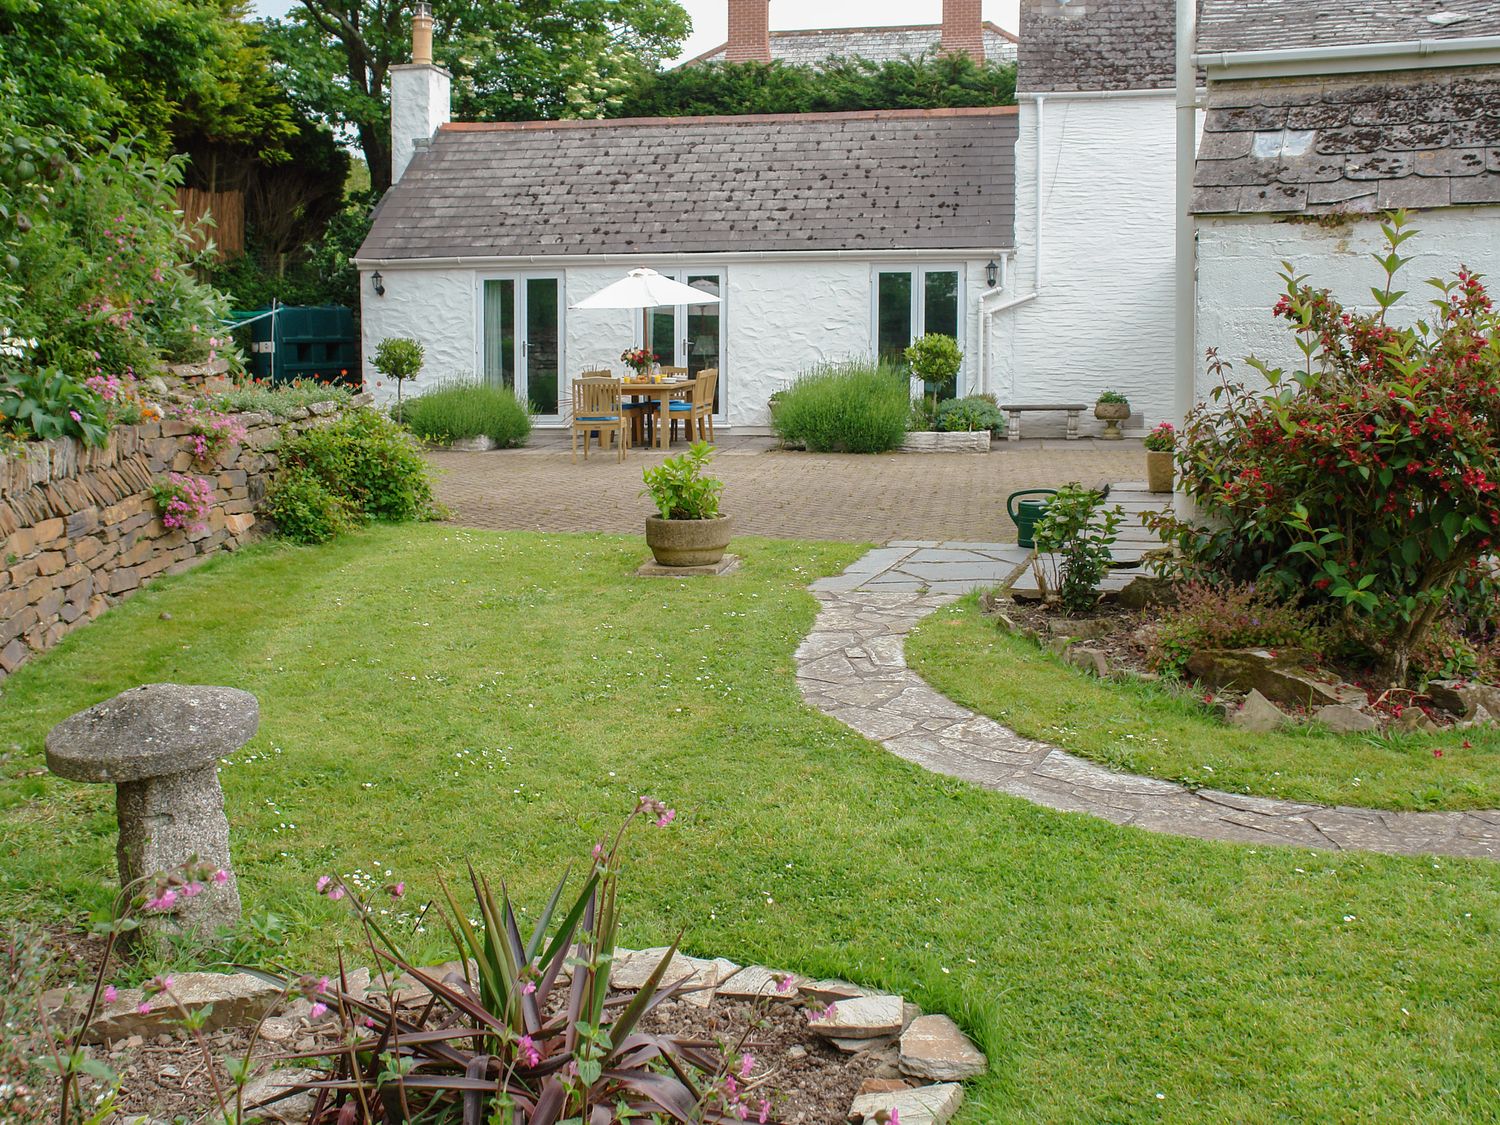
(645, 289)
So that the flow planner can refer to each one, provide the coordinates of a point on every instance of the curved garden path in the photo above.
(852, 666)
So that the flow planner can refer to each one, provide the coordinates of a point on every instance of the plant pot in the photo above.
(1112, 414)
(1159, 470)
(687, 542)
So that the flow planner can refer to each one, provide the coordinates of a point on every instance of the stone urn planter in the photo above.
(1159, 470)
(688, 542)
(1112, 414)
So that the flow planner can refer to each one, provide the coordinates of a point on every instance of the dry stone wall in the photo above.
(81, 531)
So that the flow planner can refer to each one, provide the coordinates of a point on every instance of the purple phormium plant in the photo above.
(527, 1033)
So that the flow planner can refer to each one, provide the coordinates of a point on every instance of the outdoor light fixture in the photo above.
(991, 273)
(379, 287)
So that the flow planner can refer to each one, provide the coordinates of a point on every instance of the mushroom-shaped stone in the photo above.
(160, 746)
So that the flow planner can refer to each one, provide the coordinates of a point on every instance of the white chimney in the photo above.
(419, 95)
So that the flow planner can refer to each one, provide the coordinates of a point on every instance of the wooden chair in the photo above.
(697, 413)
(597, 409)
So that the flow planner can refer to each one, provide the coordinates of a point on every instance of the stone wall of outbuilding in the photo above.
(81, 531)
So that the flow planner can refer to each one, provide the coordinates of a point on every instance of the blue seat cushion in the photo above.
(599, 418)
(640, 405)
(681, 407)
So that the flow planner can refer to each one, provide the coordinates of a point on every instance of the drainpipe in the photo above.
(1187, 140)
(1041, 133)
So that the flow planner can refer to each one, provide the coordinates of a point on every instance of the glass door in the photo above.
(910, 303)
(692, 336)
(520, 338)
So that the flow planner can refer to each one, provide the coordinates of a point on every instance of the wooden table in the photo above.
(663, 393)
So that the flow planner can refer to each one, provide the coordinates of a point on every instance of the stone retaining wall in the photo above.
(81, 531)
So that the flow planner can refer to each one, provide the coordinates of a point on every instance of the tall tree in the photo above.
(510, 59)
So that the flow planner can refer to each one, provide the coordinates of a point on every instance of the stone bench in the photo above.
(1014, 411)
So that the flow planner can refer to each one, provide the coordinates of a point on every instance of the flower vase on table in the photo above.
(640, 361)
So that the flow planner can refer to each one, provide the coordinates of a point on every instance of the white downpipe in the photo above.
(1041, 148)
(1186, 319)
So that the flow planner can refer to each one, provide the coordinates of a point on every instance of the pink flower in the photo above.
(528, 1050)
(666, 818)
(322, 986)
(747, 1064)
(397, 890)
(785, 984)
(336, 894)
(144, 1007)
(221, 877)
(322, 883)
(166, 983)
(765, 1111)
(192, 890)
(528, 988)
(823, 1014)
(317, 1011)
(895, 1118)
(599, 850)
(369, 1021)
(111, 994)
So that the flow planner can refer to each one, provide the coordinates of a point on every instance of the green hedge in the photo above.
(463, 408)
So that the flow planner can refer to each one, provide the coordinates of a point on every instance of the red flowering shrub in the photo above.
(1367, 481)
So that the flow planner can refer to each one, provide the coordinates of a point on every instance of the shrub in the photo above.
(1232, 615)
(1114, 398)
(857, 406)
(1073, 542)
(970, 415)
(279, 400)
(304, 508)
(368, 467)
(679, 489)
(44, 403)
(209, 432)
(1369, 478)
(464, 408)
(935, 359)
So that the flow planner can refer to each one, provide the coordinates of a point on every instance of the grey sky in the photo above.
(708, 15)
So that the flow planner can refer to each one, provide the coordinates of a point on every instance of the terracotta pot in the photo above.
(687, 542)
(1159, 470)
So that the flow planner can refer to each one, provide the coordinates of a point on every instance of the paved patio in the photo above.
(874, 498)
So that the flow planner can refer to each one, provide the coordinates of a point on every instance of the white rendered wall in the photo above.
(1239, 263)
(780, 318)
(1103, 318)
(419, 104)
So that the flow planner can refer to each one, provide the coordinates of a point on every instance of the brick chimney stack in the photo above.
(963, 28)
(750, 31)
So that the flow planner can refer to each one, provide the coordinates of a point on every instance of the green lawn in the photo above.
(1150, 729)
(431, 695)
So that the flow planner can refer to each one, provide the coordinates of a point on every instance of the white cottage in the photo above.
(826, 236)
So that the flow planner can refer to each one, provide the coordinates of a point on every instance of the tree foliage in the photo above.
(510, 59)
(928, 82)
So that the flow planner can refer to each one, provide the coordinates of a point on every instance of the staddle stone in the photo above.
(160, 745)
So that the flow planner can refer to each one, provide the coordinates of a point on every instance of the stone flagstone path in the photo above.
(853, 666)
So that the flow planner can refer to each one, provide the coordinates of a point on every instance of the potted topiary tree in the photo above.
(1160, 444)
(1112, 408)
(399, 358)
(690, 531)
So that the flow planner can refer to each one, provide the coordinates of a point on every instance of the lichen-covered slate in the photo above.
(875, 44)
(880, 180)
(1097, 45)
(1358, 144)
(1263, 25)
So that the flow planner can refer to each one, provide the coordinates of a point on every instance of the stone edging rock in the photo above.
(852, 666)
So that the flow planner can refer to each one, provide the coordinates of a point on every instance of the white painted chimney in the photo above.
(420, 92)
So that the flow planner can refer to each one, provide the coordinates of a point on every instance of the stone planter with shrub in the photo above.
(1112, 408)
(689, 532)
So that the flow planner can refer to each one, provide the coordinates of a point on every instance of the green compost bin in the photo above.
(290, 342)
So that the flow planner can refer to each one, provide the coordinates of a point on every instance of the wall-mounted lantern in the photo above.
(379, 286)
(991, 273)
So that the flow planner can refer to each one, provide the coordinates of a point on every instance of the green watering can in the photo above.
(1025, 513)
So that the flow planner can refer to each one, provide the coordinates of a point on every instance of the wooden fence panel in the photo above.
(226, 209)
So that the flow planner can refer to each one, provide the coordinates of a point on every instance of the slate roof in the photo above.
(878, 44)
(1356, 143)
(1260, 25)
(879, 180)
(1097, 45)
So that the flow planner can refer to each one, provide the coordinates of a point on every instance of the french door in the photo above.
(520, 338)
(909, 303)
(692, 336)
